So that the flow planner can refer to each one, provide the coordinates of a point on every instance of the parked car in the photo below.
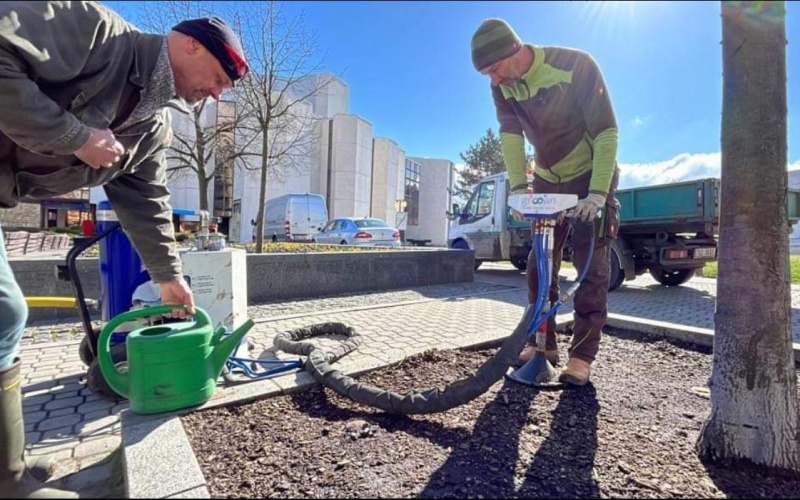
(294, 217)
(358, 231)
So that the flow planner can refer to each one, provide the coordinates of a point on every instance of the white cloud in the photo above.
(638, 121)
(684, 167)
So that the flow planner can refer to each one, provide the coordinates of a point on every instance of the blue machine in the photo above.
(121, 268)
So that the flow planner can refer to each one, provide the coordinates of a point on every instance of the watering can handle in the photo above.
(201, 320)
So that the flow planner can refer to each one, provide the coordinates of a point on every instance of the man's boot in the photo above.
(576, 372)
(15, 479)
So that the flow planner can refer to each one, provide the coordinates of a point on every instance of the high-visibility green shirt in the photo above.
(563, 108)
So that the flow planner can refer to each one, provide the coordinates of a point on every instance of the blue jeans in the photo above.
(13, 311)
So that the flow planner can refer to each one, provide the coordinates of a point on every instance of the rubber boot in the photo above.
(15, 479)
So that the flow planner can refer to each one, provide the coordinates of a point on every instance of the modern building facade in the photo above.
(388, 168)
(430, 184)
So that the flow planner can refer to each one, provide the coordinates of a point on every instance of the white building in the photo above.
(337, 157)
(349, 166)
(388, 171)
(436, 182)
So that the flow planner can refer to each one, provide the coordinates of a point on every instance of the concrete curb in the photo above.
(690, 334)
(158, 459)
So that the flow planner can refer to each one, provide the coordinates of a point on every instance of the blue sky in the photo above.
(408, 68)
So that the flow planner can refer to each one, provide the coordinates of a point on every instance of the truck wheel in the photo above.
(94, 377)
(671, 277)
(617, 275)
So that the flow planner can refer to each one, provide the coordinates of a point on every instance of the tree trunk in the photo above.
(262, 194)
(753, 382)
(202, 189)
(200, 149)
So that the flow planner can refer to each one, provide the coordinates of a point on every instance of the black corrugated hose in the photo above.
(414, 402)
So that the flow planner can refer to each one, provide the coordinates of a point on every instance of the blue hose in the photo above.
(540, 245)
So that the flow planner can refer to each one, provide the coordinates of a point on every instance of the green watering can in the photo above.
(170, 366)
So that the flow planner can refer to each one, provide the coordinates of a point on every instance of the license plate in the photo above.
(705, 253)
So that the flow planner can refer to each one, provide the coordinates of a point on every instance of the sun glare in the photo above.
(612, 12)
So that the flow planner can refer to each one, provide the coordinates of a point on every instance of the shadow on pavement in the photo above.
(104, 479)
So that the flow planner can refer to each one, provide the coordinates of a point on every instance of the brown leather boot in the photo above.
(576, 372)
(15, 479)
(530, 349)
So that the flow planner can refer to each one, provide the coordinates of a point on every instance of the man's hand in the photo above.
(518, 216)
(101, 150)
(587, 208)
(177, 292)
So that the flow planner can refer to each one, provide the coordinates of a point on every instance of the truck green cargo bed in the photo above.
(680, 207)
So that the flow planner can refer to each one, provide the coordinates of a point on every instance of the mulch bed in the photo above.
(629, 434)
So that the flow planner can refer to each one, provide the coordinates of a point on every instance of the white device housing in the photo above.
(544, 205)
(218, 280)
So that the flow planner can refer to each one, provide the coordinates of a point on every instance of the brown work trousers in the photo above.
(590, 300)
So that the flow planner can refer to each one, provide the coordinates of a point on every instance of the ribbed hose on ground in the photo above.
(414, 402)
(290, 341)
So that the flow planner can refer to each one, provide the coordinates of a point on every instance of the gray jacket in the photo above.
(67, 66)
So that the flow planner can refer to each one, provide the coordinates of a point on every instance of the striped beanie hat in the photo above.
(493, 41)
(221, 41)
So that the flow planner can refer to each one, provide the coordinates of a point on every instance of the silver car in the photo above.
(358, 231)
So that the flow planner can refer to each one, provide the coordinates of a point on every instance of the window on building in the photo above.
(412, 192)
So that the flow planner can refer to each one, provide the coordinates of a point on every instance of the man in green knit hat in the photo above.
(557, 99)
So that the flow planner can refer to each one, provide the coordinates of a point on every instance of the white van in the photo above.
(294, 217)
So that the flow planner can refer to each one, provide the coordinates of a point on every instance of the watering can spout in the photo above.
(225, 345)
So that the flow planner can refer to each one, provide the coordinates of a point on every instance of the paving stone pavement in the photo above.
(63, 418)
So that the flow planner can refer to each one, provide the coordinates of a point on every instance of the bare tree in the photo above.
(278, 125)
(753, 382)
(205, 147)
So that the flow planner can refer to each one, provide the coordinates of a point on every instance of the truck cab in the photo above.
(668, 230)
(485, 226)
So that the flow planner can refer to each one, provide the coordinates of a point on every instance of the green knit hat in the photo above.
(493, 41)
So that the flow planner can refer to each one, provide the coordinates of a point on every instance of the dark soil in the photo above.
(629, 434)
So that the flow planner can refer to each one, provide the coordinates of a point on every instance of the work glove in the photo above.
(587, 208)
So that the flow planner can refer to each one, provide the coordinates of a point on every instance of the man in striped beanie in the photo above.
(556, 98)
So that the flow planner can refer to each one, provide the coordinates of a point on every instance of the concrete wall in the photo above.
(24, 215)
(435, 199)
(290, 276)
(281, 276)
